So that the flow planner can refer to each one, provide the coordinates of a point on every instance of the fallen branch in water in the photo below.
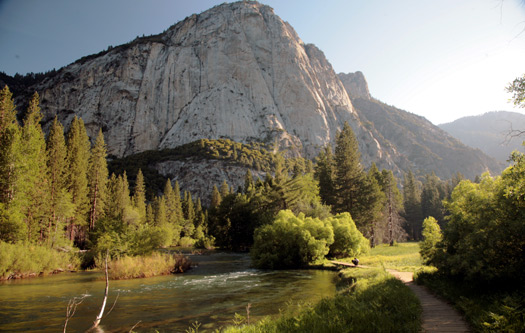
(72, 308)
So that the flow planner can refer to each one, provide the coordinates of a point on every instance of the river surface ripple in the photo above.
(221, 285)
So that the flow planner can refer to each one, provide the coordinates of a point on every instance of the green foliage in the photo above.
(291, 241)
(517, 88)
(20, 260)
(252, 155)
(77, 182)
(432, 196)
(324, 173)
(495, 309)
(483, 240)
(147, 266)
(97, 180)
(139, 196)
(348, 241)
(431, 236)
(412, 206)
(296, 241)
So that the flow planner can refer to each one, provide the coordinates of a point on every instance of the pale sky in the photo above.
(442, 59)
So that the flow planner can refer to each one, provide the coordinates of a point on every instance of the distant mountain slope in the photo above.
(490, 132)
(419, 144)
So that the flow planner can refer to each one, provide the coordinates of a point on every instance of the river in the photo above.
(221, 285)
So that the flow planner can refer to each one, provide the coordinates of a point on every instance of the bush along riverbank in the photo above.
(23, 260)
(148, 266)
(368, 300)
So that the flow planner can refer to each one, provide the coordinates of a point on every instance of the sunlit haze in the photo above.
(439, 59)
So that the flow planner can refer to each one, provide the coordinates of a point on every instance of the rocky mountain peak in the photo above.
(236, 71)
(355, 84)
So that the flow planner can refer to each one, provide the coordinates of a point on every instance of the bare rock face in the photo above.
(355, 84)
(236, 71)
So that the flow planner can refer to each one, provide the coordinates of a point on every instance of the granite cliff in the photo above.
(237, 71)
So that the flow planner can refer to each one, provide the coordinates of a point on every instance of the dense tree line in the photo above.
(56, 191)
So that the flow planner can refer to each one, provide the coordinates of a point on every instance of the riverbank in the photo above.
(368, 300)
(19, 261)
(220, 285)
(148, 266)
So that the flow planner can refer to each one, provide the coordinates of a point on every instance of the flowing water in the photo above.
(221, 285)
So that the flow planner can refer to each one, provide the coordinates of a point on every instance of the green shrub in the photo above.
(431, 236)
(21, 260)
(186, 241)
(495, 309)
(348, 241)
(291, 241)
(147, 266)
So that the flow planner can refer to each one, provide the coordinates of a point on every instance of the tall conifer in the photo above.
(32, 183)
(11, 220)
(349, 175)
(139, 196)
(59, 199)
(97, 177)
(78, 157)
(412, 206)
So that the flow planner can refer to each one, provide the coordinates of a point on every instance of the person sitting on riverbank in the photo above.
(355, 261)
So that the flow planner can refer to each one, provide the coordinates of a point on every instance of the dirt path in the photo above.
(438, 315)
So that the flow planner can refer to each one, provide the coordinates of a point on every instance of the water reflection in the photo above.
(211, 293)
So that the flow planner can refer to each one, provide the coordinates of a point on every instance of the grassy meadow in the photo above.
(403, 257)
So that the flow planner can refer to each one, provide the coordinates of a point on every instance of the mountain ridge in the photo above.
(236, 71)
(490, 132)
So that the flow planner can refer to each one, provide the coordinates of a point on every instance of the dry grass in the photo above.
(147, 266)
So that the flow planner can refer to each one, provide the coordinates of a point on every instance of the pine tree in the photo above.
(412, 206)
(123, 196)
(393, 208)
(11, 221)
(225, 189)
(171, 203)
(431, 198)
(324, 173)
(249, 185)
(78, 159)
(139, 196)
(32, 182)
(215, 197)
(9, 146)
(349, 175)
(97, 178)
(60, 205)
(188, 207)
(161, 218)
(150, 215)
(179, 216)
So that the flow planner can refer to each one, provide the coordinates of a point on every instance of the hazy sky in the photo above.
(442, 59)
